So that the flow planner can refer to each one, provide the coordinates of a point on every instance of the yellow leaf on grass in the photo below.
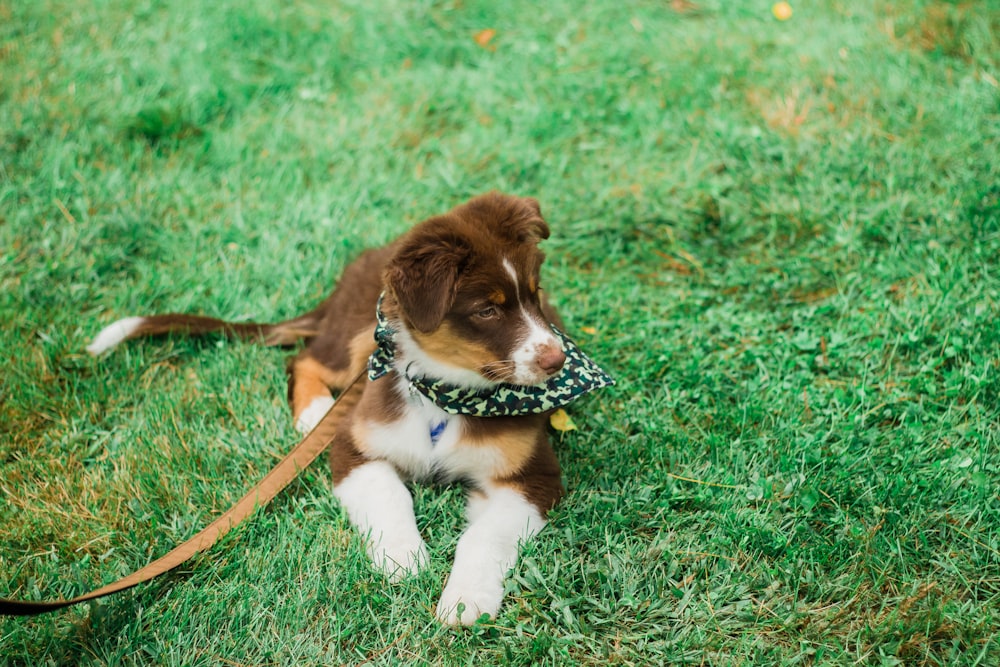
(483, 37)
(561, 422)
(588, 330)
(782, 11)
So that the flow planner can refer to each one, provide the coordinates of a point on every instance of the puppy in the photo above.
(465, 363)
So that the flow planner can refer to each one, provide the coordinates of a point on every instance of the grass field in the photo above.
(782, 237)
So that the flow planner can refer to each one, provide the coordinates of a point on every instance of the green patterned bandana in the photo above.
(578, 376)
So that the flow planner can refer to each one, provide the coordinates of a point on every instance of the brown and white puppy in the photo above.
(461, 291)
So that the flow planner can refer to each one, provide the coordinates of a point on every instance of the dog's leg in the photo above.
(313, 374)
(381, 508)
(309, 384)
(500, 518)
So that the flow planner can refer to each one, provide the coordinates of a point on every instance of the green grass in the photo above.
(782, 237)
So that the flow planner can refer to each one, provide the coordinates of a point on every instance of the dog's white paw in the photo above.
(312, 415)
(464, 604)
(399, 558)
(381, 508)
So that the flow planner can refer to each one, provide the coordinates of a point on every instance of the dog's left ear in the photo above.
(423, 276)
(528, 223)
(522, 219)
(519, 219)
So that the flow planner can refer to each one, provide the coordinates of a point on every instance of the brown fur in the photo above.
(447, 345)
(309, 378)
(516, 436)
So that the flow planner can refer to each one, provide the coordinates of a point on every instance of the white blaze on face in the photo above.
(538, 336)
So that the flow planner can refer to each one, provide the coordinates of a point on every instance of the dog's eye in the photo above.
(487, 313)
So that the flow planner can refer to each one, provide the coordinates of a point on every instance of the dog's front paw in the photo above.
(464, 604)
(398, 559)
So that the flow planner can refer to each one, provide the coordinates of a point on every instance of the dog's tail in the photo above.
(281, 334)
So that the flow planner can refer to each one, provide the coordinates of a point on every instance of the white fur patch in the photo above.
(407, 443)
(509, 268)
(114, 333)
(313, 414)
(381, 508)
(499, 522)
(525, 355)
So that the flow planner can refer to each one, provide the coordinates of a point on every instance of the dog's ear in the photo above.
(519, 219)
(530, 224)
(423, 276)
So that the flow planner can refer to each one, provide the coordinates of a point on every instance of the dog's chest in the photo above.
(428, 442)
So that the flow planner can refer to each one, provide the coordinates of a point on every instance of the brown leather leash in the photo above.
(304, 453)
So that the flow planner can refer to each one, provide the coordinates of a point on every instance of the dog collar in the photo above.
(579, 375)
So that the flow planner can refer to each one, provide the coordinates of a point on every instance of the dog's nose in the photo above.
(551, 359)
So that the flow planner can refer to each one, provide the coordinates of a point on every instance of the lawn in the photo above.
(781, 237)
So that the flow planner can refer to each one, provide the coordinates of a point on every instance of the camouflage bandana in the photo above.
(578, 376)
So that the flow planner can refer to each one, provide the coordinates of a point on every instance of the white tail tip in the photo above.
(114, 333)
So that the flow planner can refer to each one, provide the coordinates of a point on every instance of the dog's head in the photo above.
(466, 287)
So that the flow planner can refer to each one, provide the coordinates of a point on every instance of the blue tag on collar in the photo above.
(437, 430)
